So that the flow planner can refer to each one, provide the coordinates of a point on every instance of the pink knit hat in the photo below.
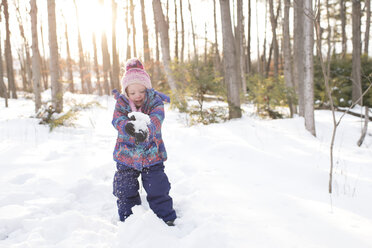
(135, 74)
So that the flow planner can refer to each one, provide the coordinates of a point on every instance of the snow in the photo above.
(141, 121)
(243, 183)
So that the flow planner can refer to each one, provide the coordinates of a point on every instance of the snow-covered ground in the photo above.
(244, 183)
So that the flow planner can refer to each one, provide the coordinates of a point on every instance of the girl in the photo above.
(139, 147)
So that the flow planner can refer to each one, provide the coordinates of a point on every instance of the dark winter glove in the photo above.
(129, 128)
(140, 136)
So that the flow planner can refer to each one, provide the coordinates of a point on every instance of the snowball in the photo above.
(141, 122)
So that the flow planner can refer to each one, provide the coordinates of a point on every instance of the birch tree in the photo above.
(57, 92)
(96, 67)
(230, 66)
(343, 27)
(36, 68)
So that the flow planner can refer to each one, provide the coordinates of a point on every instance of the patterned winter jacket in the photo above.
(150, 152)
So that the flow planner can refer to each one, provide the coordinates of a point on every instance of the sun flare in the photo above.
(94, 17)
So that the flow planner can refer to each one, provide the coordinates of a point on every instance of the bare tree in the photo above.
(164, 37)
(8, 53)
(86, 88)
(182, 33)
(356, 60)
(176, 31)
(193, 34)
(115, 56)
(368, 24)
(57, 91)
(239, 36)
(96, 67)
(273, 20)
(44, 66)
(133, 27)
(70, 76)
(217, 59)
(3, 90)
(27, 60)
(343, 27)
(229, 54)
(298, 55)
(249, 62)
(287, 55)
(309, 67)
(36, 68)
(145, 32)
(129, 55)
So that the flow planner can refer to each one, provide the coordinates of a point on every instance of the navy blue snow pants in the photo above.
(156, 184)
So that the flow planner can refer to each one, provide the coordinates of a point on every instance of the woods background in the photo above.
(300, 55)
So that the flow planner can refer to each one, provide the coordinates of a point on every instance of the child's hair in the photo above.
(135, 74)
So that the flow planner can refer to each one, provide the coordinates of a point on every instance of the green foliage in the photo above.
(269, 93)
(48, 114)
(201, 82)
(340, 81)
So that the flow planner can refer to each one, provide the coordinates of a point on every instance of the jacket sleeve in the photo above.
(156, 117)
(119, 120)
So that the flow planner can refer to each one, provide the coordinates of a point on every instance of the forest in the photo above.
(267, 136)
(299, 55)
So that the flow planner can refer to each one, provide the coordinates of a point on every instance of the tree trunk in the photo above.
(182, 33)
(115, 57)
(249, 62)
(145, 31)
(217, 59)
(106, 65)
(163, 30)
(365, 128)
(308, 67)
(368, 24)
(27, 62)
(229, 54)
(240, 41)
(36, 68)
(273, 22)
(44, 66)
(356, 61)
(258, 42)
(57, 91)
(3, 89)
(129, 55)
(70, 75)
(133, 27)
(193, 34)
(298, 55)
(343, 27)
(96, 67)
(8, 53)
(84, 86)
(287, 55)
(176, 30)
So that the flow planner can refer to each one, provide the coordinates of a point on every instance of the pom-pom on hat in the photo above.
(135, 74)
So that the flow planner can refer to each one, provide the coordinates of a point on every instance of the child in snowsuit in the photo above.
(139, 150)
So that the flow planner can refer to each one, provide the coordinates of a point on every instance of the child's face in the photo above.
(136, 93)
